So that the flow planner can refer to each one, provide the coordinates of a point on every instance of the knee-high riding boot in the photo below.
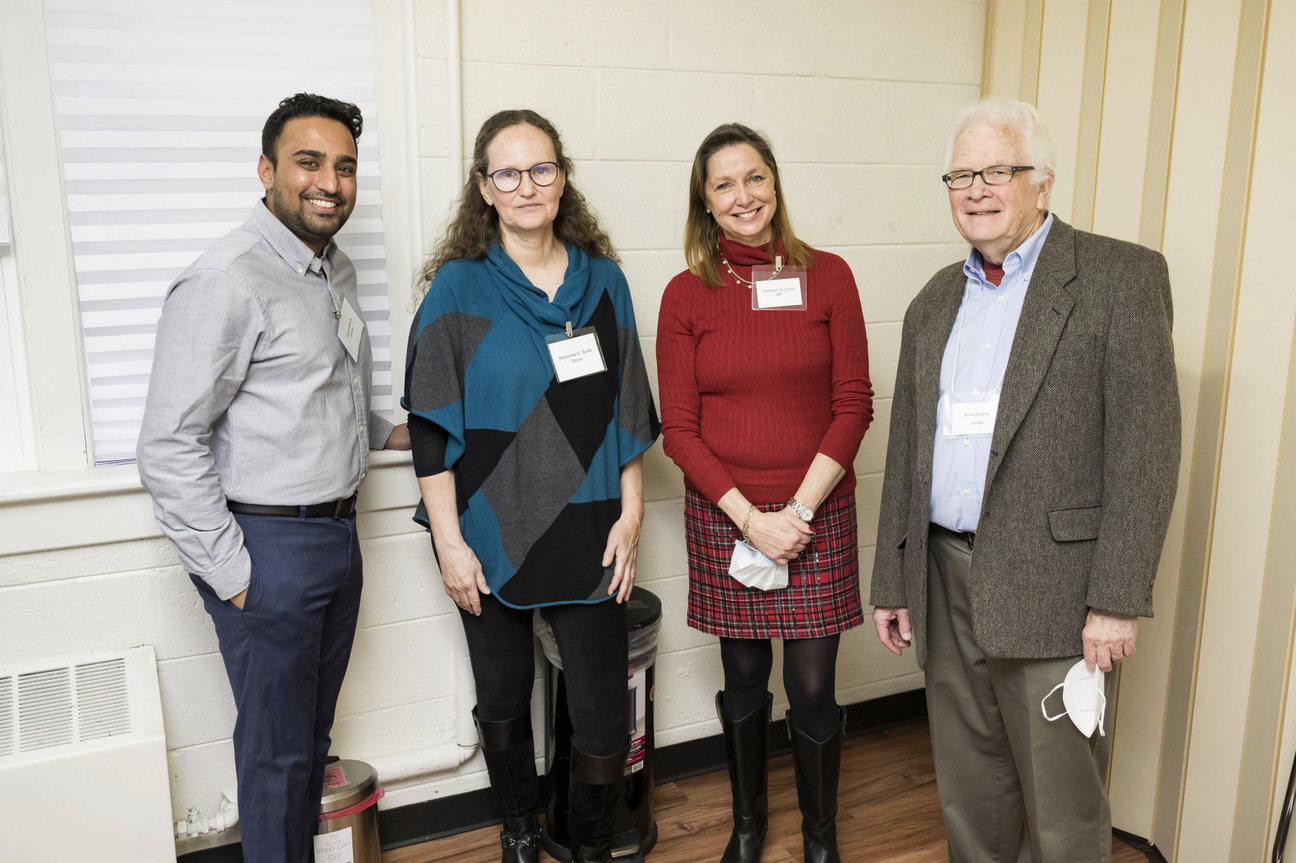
(595, 783)
(818, 768)
(747, 751)
(510, 762)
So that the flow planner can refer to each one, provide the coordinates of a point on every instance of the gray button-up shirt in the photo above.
(253, 396)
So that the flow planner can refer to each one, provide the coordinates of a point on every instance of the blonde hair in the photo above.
(702, 234)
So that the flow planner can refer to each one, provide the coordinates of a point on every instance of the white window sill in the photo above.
(33, 486)
(64, 509)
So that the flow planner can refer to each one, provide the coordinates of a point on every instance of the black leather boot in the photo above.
(747, 751)
(520, 839)
(515, 789)
(818, 768)
(595, 783)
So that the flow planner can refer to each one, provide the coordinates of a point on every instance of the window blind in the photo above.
(160, 107)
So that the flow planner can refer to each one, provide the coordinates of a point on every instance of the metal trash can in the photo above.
(348, 829)
(634, 832)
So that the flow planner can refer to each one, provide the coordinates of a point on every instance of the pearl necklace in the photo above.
(741, 280)
(748, 282)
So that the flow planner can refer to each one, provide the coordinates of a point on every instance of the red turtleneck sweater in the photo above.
(748, 397)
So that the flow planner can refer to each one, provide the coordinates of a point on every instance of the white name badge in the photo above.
(350, 329)
(778, 294)
(778, 288)
(972, 418)
(576, 356)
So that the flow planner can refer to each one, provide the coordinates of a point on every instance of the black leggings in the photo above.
(592, 643)
(809, 676)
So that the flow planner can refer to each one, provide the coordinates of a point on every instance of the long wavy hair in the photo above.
(702, 233)
(476, 224)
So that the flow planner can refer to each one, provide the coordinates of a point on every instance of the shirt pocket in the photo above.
(1075, 525)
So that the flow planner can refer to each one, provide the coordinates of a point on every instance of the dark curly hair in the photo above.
(702, 234)
(307, 105)
(476, 224)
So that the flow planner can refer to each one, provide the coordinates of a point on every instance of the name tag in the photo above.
(970, 418)
(778, 288)
(350, 329)
(778, 294)
(576, 357)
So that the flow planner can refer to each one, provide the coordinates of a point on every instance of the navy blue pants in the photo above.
(286, 653)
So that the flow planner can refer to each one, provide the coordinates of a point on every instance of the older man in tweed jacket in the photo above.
(1031, 469)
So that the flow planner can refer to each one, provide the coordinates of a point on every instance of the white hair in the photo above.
(1016, 117)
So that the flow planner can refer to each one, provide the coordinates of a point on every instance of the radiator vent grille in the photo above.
(44, 709)
(102, 701)
(61, 706)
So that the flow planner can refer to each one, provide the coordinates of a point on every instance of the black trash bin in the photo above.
(634, 832)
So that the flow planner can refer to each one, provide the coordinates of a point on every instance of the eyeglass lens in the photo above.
(508, 179)
(995, 175)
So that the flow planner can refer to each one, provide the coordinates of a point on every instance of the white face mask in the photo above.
(754, 569)
(1082, 694)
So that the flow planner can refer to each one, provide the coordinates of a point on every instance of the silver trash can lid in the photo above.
(346, 783)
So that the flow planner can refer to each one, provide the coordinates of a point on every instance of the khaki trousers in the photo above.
(996, 755)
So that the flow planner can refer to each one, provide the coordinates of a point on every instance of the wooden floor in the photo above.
(887, 811)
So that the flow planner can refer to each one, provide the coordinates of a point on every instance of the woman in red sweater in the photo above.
(763, 369)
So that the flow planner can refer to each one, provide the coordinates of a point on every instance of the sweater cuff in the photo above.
(842, 444)
(714, 486)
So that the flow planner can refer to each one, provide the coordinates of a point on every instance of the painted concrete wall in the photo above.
(855, 95)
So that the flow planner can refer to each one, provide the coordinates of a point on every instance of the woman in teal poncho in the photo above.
(530, 412)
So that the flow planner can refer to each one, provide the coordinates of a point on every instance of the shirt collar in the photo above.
(1020, 260)
(288, 245)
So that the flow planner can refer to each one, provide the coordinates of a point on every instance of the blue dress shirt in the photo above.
(972, 369)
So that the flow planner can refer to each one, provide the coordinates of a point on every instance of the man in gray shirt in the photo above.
(254, 441)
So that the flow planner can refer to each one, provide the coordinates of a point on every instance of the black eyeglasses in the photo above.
(995, 175)
(508, 179)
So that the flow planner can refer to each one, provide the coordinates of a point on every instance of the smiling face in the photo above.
(996, 219)
(311, 185)
(739, 193)
(529, 209)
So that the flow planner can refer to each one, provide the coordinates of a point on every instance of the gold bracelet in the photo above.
(751, 508)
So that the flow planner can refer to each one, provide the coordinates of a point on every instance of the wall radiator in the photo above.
(83, 769)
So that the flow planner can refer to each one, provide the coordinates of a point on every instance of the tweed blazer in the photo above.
(1084, 457)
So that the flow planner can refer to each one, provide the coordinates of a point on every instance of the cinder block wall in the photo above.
(855, 95)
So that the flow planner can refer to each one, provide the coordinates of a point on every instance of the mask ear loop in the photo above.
(1102, 712)
(1044, 709)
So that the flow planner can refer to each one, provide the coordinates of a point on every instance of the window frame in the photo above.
(43, 278)
(46, 287)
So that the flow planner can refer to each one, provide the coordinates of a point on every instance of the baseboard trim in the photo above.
(1138, 843)
(457, 813)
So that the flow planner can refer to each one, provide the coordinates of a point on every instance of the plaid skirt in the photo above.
(822, 596)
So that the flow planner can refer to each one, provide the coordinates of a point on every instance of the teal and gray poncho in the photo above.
(537, 462)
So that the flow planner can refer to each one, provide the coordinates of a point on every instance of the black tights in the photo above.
(809, 677)
(592, 642)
